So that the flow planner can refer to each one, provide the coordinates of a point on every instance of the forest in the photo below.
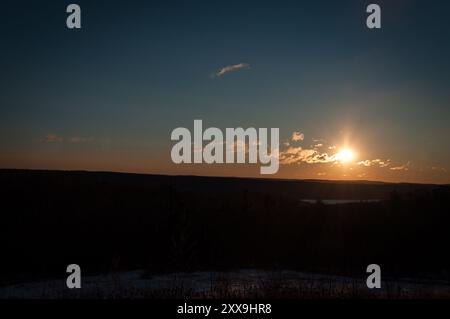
(109, 221)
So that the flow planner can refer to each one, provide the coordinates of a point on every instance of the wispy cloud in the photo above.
(404, 167)
(53, 138)
(231, 68)
(376, 162)
(78, 139)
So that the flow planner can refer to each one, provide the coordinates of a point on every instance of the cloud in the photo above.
(376, 162)
(77, 139)
(53, 138)
(404, 167)
(232, 68)
(295, 155)
(399, 168)
(298, 136)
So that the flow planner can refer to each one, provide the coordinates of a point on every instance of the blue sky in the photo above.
(138, 69)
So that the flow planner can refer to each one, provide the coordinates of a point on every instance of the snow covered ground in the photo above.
(239, 284)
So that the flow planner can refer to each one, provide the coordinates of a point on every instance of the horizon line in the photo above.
(218, 176)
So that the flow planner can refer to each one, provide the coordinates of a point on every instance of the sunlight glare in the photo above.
(345, 155)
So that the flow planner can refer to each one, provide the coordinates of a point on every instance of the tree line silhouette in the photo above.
(167, 224)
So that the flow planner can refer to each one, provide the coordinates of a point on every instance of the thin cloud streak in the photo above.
(231, 68)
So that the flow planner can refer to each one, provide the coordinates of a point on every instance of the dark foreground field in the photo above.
(113, 223)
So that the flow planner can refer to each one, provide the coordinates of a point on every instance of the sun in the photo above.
(345, 156)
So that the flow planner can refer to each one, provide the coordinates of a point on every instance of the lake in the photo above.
(340, 201)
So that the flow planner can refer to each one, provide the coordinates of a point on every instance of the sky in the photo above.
(106, 97)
